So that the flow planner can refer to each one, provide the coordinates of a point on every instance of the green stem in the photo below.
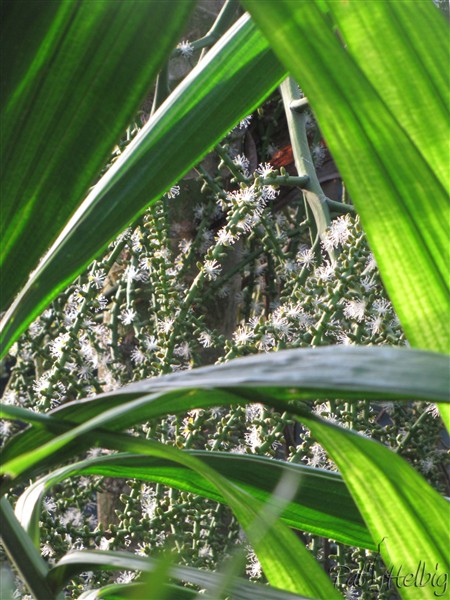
(340, 207)
(162, 89)
(287, 180)
(313, 192)
(299, 105)
(411, 432)
(234, 169)
(223, 22)
(224, 19)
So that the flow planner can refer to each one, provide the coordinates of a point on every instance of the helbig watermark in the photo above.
(424, 575)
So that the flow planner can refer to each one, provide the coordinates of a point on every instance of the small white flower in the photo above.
(351, 593)
(355, 309)
(245, 122)
(433, 410)
(264, 169)
(205, 339)
(343, 339)
(72, 516)
(318, 155)
(266, 342)
(182, 350)
(318, 456)
(35, 329)
(242, 162)
(42, 385)
(127, 316)
(145, 263)
(132, 273)
(207, 240)
(85, 372)
(163, 254)
(58, 345)
(165, 325)
(290, 267)
(184, 246)
(47, 550)
(253, 412)
(141, 549)
(49, 504)
(281, 325)
(104, 544)
(160, 539)
(10, 397)
(243, 335)
(371, 264)
(254, 568)
(148, 501)
(126, 577)
(225, 237)
(216, 412)
(212, 269)
(78, 544)
(338, 232)
(382, 306)
(205, 551)
(240, 449)
(136, 241)
(269, 192)
(5, 428)
(137, 356)
(325, 272)
(151, 343)
(375, 324)
(253, 438)
(88, 352)
(125, 235)
(102, 302)
(173, 192)
(94, 452)
(98, 278)
(427, 464)
(305, 257)
(13, 350)
(186, 49)
(223, 291)
(199, 211)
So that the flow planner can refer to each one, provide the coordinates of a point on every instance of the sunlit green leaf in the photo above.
(407, 517)
(20, 550)
(378, 373)
(73, 74)
(82, 560)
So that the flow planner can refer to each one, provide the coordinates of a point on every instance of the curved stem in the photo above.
(312, 190)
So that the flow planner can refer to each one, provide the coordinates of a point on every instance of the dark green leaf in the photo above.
(285, 561)
(73, 74)
(320, 505)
